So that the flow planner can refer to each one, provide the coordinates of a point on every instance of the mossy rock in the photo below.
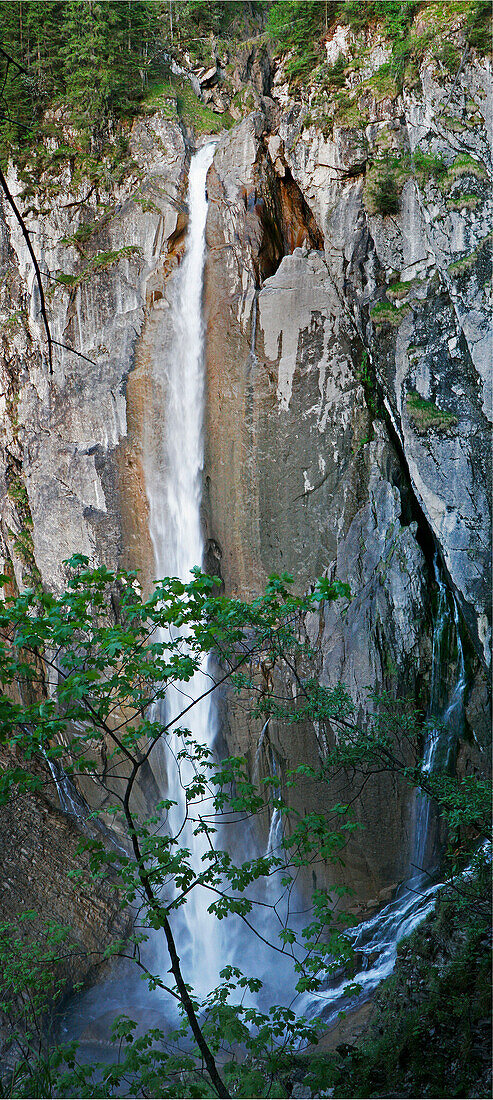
(397, 291)
(177, 101)
(100, 262)
(465, 165)
(426, 416)
(387, 314)
(481, 254)
(463, 202)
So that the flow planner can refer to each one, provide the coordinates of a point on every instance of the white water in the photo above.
(276, 832)
(173, 482)
(445, 719)
(175, 529)
(376, 939)
(174, 503)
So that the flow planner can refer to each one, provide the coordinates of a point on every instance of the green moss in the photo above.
(386, 314)
(15, 323)
(399, 290)
(100, 262)
(196, 114)
(176, 99)
(425, 415)
(244, 100)
(383, 82)
(460, 267)
(465, 165)
(23, 546)
(428, 166)
(81, 235)
(453, 124)
(463, 202)
(162, 96)
(347, 112)
(22, 541)
(17, 492)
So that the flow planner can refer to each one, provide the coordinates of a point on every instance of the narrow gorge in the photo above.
(271, 356)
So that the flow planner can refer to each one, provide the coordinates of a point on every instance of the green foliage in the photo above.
(367, 378)
(464, 803)
(297, 25)
(430, 1034)
(397, 15)
(106, 674)
(108, 657)
(197, 114)
(478, 26)
(386, 192)
(449, 56)
(100, 262)
(384, 183)
(334, 75)
(201, 17)
(94, 58)
(31, 977)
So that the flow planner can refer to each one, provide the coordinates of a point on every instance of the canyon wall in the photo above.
(347, 419)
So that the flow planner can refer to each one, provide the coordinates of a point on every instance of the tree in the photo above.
(88, 672)
(92, 59)
(104, 56)
(85, 678)
(297, 25)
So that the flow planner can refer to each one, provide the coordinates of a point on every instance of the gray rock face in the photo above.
(69, 427)
(311, 471)
(438, 346)
(347, 390)
(299, 480)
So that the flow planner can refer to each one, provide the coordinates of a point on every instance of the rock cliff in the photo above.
(348, 402)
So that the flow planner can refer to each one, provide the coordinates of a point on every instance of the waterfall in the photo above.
(445, 718)
(174, 490)
(70, 799)
(174, 484)
(375, 940)
(276, 831)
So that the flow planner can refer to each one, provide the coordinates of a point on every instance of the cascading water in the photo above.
(376, 940)
(174, 490)
(445, 721)
(274, 839)
(173, 482)
(174, 493)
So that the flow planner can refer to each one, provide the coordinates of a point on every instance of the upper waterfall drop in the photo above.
(174, 490)
(174, 507)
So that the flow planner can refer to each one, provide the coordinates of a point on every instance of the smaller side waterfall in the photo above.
(376, 939)
(276, 831)
(445, 721)
(71, 801)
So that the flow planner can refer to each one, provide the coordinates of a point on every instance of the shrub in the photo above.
(478, 26)
(428, 165)
(425, 414)
(384, 190)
